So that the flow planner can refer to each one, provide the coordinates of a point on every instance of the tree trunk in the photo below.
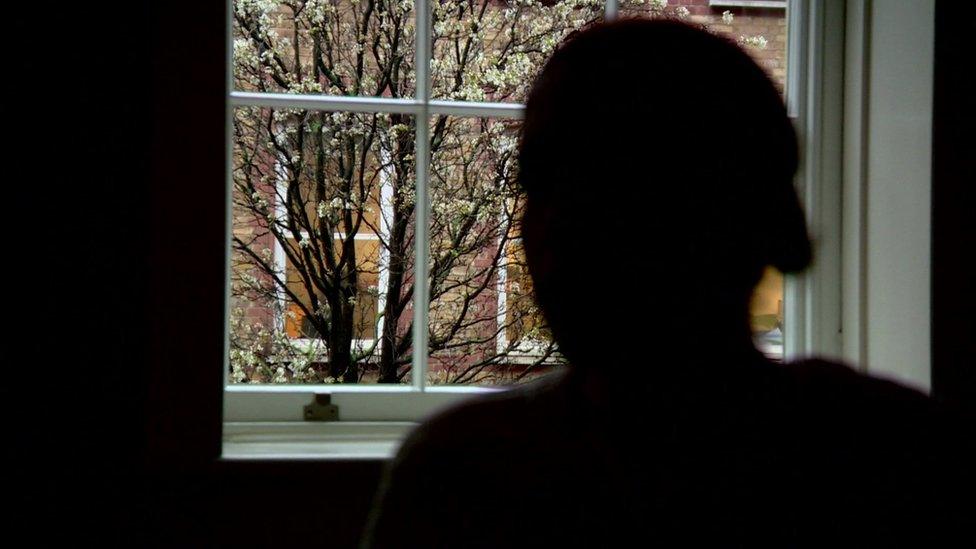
(391, 314)
(340, 346)
(388, 368)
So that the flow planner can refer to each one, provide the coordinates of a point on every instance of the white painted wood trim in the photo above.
(812, 301)
(898, 174)
(854, 234)
(313, 440)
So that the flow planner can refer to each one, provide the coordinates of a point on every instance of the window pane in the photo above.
(335, 47)
(491, 50)
(762, 31)
(322, 273)
(484, 326)
(767, 314)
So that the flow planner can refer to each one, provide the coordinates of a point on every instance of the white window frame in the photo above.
(812, 302)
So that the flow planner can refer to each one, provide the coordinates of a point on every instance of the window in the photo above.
(335, 218)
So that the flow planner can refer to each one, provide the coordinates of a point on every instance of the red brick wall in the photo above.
(767, 22)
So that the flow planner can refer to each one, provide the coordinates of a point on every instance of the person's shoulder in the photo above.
(463, 466)
(828, 388)
(921, 448)
(497, 418)
(828, 379)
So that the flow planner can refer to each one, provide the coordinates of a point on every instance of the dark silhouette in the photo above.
(669, 150)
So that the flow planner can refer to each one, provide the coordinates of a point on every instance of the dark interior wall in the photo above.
(118, 155)
(954, 206)
(271, 504)
(190, 495)
(76, 192)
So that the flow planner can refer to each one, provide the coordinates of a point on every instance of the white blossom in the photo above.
(755, 41)
(280, 376)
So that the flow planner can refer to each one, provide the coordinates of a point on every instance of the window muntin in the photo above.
(508, 303)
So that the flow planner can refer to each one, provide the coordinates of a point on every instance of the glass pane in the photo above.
(491, 50)
(767, 314)
(322, 250)
(762, 31)
(334, 47)
(484, 326)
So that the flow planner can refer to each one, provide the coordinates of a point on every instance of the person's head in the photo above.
(657, 160)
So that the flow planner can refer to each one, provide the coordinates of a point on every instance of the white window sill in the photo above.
(340, 440)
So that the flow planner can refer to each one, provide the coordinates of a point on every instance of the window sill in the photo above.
(341, 440)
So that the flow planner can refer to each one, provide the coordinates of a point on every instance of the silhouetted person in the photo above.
(658, 163)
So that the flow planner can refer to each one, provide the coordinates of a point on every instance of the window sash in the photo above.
(810, 306)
